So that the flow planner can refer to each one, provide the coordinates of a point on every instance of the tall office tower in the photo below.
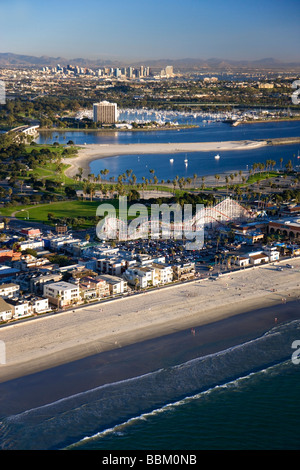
(169, 70)
(130, 72)
(105, 112)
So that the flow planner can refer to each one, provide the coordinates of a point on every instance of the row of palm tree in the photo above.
(128, 178)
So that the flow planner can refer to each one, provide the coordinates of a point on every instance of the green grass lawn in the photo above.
(63, 209)
(50, 172)
(60, 210)
(261, 176)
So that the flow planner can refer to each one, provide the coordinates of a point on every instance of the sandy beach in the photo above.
(92, 152)
(50, 341)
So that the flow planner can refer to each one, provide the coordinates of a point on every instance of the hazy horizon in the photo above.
(136, 30)
(137, 60)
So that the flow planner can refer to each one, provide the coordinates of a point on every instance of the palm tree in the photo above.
(85, 188)
(80, 172)
(91, 189)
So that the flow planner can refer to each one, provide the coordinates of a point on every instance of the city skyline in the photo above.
(136, 31)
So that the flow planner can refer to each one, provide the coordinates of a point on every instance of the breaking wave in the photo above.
(101, 410)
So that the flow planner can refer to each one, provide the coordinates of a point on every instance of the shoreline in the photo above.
(118, 129)
(262, 121)
(91, 152)
(56, 340)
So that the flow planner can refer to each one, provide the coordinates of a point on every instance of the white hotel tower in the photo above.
(105, 112)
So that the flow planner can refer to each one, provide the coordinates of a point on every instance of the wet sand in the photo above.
(89, 153)
(51, 341)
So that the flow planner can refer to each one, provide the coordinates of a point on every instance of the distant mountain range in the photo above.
(18, 60)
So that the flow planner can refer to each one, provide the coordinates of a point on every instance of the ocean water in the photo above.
(259, 411)
(243, 397)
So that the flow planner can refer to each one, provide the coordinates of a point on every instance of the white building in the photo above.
(32, 244)
(20, 307)
(9, 290)
(272, 253)
(117, 285)
(62, 293)
(39, 305)
(163, 273)
(57, 243)
(258, 257)
(141, 276)
(242, 261)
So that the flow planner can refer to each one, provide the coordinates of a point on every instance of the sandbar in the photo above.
(49, 341)
(91, 152)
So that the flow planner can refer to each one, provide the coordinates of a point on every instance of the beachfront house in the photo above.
(141, 276)
(258, 257)
(242, 261)
(184, 271)
(20, 307)
(92, 289)
(272, 252)
(5, 310)
(149, 275)
(117, 285)
(28, 305)
(38, 304)
(163, 273)
(62, 294)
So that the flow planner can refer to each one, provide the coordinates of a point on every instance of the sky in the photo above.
(152, 29)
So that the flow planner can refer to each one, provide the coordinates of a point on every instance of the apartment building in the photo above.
(105, 112)
(117, 285)
(62, 294)
(141, 276)
(163, 273)
(184, 271)
(91, 288)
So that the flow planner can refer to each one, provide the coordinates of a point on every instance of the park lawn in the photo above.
(261, 176)
(56, 150)
(83, 209)
(50, 172)
(61, 210)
